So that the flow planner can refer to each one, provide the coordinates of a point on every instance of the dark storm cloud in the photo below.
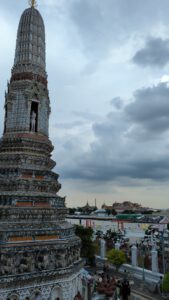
(116, 153)
(154, 54)
(151, 108)
(117, 171)
(117, 102)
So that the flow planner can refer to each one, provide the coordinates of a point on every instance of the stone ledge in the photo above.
(39, 277)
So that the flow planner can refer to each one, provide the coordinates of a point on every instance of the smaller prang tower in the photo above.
(39, 252)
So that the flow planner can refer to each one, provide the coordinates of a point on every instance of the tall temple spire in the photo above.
(39, 252)
(27, 109)
(30, 45)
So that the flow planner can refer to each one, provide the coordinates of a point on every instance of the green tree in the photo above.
(147, 212)
(88, 246)
(116, 257)
(148, 232)
(72, 211)
(165, 283)
(111, 211)
(108, 212)
(128, 211)
(110, 234)
(99, 234)
(114, 212)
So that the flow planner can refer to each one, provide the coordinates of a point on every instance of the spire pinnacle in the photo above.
(32, 3)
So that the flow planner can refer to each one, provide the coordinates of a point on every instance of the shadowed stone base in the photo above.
(65, 288)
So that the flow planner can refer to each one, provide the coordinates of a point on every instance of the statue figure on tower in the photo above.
(33, 121)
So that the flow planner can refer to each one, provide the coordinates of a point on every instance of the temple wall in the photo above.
(66, 289)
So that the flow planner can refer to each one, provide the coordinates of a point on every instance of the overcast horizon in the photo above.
(108, 75)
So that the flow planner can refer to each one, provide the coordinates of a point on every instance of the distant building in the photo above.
(126, 205)
(87, 209)
(107, 207)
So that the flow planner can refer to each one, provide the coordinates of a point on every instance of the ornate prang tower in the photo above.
(39, 252)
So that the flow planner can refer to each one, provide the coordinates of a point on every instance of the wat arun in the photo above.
(39, 251)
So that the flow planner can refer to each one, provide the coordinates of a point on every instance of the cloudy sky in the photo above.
(108, 72)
